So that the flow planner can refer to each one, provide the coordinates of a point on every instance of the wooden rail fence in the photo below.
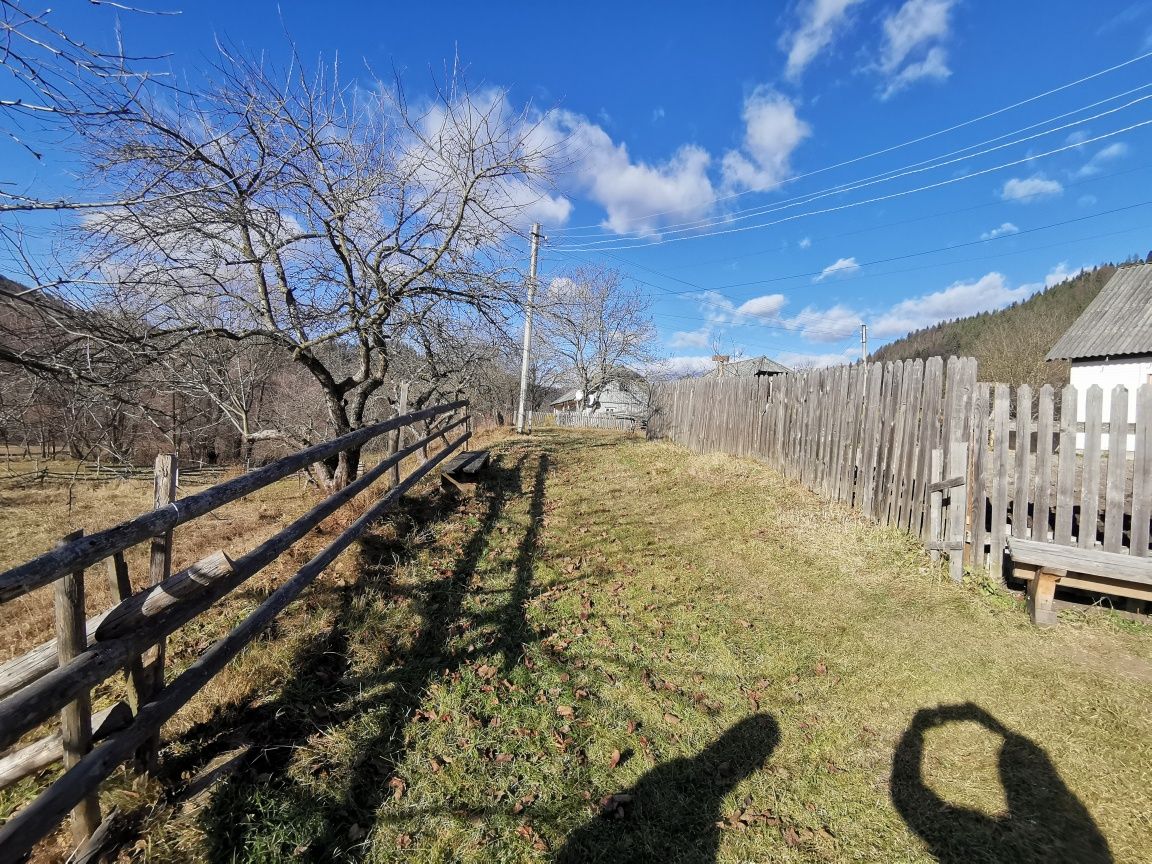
(56, 678)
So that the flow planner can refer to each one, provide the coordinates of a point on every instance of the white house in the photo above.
(621, 399)
(1111, 342)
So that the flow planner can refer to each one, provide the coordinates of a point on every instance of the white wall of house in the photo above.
(1132, 372)
(615, 400)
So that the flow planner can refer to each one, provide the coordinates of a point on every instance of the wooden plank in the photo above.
(950, 483)
(899, 434)
(1066, 467)
(96, 547)
(935, 506)
(1095, 562)
(1090, 486)
(76, 716)
(999, 481)
(908, 466)
(926, 435)
(1041, 594)
(1042, 492)
(978, 466)
(1117, 471)
(956, 434)
(1142, 473)
(1023, 475)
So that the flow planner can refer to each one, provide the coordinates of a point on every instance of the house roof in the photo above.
(570, 396)
(1117, 322)
(761, 365)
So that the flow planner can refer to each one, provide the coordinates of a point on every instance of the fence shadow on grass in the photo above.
(263, 813)
(1045, 822)
(671, 813)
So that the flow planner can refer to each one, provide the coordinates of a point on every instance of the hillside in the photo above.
(1010, 344)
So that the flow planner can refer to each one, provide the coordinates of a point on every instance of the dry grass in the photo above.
(613, 616)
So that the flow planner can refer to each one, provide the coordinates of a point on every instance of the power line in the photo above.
(903, 144)
(850, 205)
(892, 174)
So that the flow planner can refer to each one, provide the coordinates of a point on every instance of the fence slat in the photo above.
(1042, 492)
(1022, 479)
(1066, 469)
(1117, 470)
(1090, 483)
(1142, 472)
(1000, 463)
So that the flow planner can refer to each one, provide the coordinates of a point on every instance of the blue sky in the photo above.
(738, 159)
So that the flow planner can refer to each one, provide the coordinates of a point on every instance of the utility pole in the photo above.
(863, 343)
(526, 359)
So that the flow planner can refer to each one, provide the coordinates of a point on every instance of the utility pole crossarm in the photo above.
(526, 358)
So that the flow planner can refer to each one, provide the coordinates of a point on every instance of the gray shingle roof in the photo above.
(752, 366)
(570, 396)
(1117, 322)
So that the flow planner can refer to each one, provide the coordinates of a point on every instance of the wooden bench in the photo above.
(1046, 565)
(460, 472)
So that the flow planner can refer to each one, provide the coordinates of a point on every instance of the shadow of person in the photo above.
(1045, 822)
(670, 814)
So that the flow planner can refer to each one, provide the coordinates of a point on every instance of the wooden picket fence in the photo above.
(576, 420)
(888, 439)
(923, 446)
(55, 680)
(1047, 470)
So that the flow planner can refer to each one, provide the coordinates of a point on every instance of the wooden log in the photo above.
(76, 715)
(1042, 493)
(96, 547)
(38, 701)
(1090, 485)
(1066, 468)
(159, 569)
(39, 755)
(25, 828)
(22, 671)
(1142, 473)
(1114, 497)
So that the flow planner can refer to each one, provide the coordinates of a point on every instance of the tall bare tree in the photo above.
(594, 327)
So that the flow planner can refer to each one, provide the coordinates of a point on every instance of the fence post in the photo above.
(135, 675)
(159, 569)
(76, 717)
(401, 410)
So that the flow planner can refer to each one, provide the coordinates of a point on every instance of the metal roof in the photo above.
(1117, 322)
(570, 396)
(753, 366)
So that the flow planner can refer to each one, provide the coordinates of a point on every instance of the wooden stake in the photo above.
(159, 569)
(76, 717)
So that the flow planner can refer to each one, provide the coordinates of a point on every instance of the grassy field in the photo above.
(619, 651)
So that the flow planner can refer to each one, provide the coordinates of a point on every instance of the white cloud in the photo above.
(1005, 228)
(821, 21)
(679, 367)
(772, 131)
(934, 67)
(958, 300)
(912, 49)
(842, 267)
(631, 190)
(805, 242)
(691, 338)
(800, 361)
(1115, 150)
(1034, 188)
(1060, 273)
(826, 325)
(767, 306)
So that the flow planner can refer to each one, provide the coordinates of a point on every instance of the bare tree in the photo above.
(594, 327)
(334, 223)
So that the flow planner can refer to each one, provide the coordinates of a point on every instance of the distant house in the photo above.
(1111, 342)
(754, 367)
(622, 398)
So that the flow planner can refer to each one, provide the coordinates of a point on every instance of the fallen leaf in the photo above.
(671, 719)
(614, 760)
(565, 710)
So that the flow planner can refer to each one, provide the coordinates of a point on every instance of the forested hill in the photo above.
(1011, 343)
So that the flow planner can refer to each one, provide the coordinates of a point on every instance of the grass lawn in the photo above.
(619, 651)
